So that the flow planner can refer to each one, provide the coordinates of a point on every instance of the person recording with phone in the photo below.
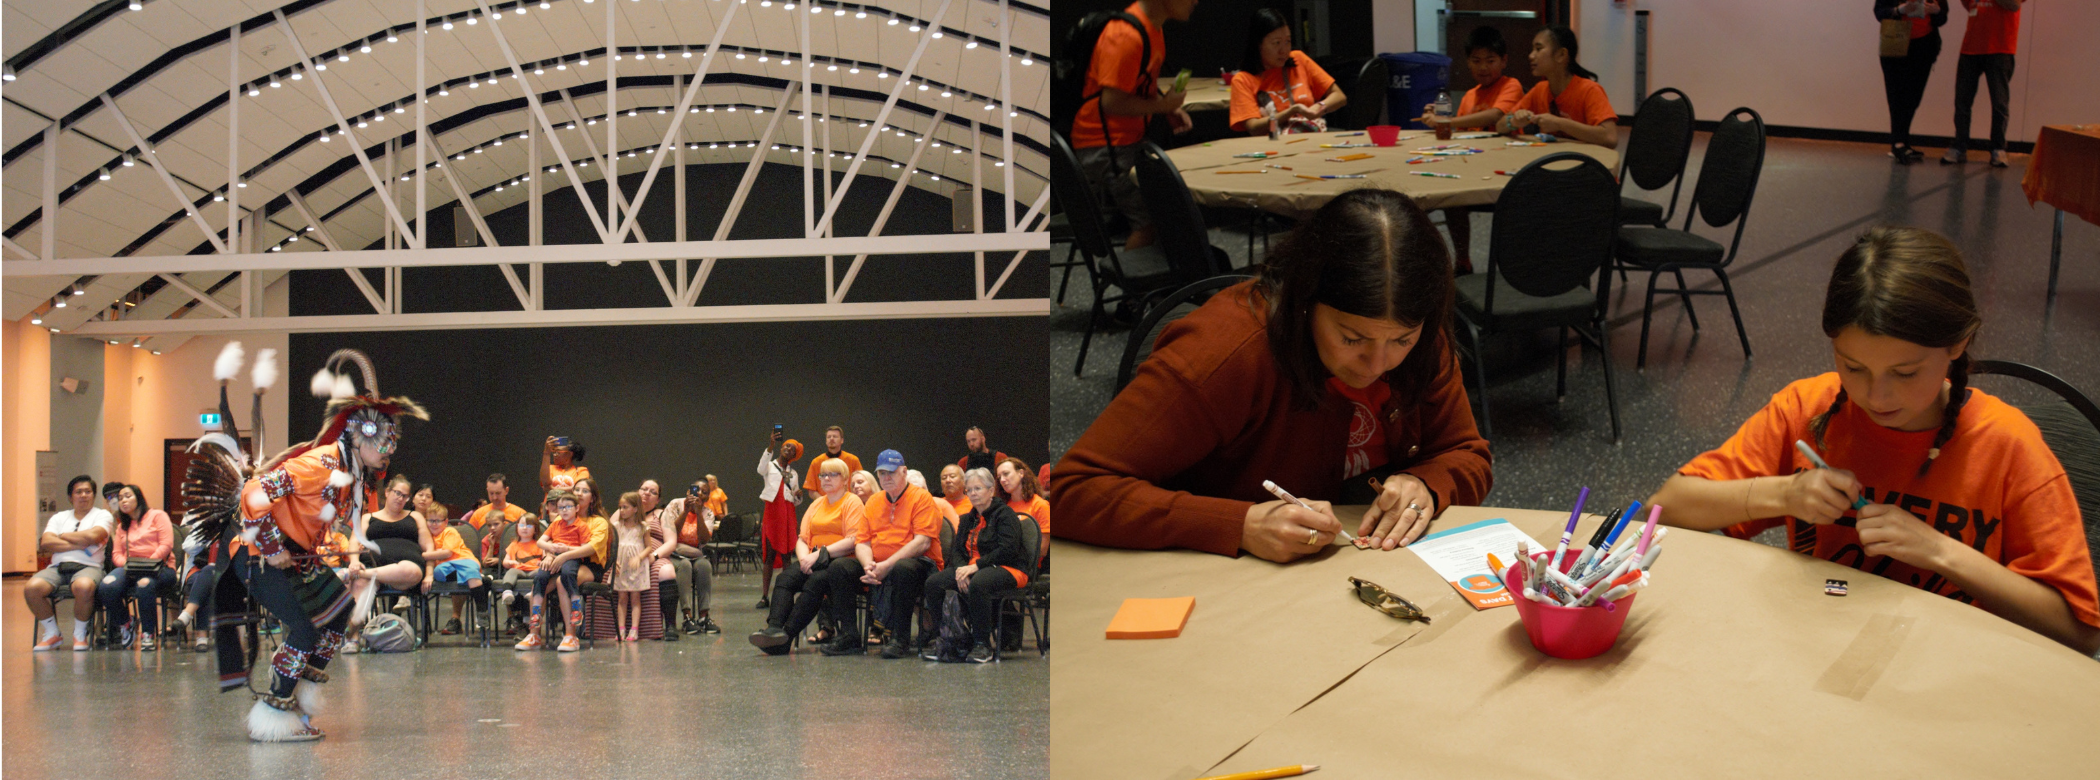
(776, 540)
(561, 463)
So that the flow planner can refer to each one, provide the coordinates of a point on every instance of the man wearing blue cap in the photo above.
(900, 532)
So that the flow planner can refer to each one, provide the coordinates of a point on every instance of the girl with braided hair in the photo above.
(1960, 494)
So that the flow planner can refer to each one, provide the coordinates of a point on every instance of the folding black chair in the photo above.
(1727, 182)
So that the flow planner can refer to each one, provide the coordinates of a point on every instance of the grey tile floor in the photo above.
(706, 706)
(1814, 198)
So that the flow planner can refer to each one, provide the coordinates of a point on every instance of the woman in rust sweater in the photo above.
(1331, 371)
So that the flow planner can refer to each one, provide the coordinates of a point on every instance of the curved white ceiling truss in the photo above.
(170, 77)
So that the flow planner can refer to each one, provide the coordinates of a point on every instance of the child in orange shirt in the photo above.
(520, 560)
(1493, 96)
(1277, 83)
(1963, 498)
(1567, 102)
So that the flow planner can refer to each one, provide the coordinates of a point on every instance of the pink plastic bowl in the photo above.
(1384, 135)
(1568, 632)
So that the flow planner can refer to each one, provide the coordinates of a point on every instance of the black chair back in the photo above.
(1032, 541)
(1183, 237)
(1366, 98)
(1735, 156)
(1555, 225)
(2071, 428)
(1069, 186)
(1660, 143)
(1176, 305)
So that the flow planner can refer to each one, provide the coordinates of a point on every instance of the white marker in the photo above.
(1286, 495)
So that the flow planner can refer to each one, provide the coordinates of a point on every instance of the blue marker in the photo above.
(1857, 503)
(1613, 537)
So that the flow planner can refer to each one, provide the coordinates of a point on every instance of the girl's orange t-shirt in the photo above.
(1996, 487)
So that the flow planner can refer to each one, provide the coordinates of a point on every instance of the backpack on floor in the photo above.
(387, 632)
(953, 645)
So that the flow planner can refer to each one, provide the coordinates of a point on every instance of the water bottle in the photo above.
(1444, 113)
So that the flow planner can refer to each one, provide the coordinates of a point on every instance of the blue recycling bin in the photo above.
(1415, 78)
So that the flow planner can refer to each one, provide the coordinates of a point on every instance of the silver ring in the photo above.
(1414, 506)
(1312, 536)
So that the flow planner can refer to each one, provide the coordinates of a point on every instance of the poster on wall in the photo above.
(48, 498)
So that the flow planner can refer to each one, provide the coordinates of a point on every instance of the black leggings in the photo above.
(838, 581)
(1903, 79)
(979, 607)
(305, 645)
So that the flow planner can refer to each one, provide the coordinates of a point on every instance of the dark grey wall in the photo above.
(675, 402)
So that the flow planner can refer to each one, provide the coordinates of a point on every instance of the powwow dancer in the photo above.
(274, 522)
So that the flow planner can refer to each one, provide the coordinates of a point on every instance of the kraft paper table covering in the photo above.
(1733, 664)
(1205, 94)
(1284, 193)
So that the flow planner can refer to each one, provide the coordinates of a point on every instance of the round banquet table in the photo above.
(1206, 94)
(1733, 663)
(1205, 167)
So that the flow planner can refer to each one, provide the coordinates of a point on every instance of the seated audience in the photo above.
(521, 558)
(452, 561)
(74, 539)
(692, 526)
(988, 558)
(1024, 494)
(823, 566)
(895, 550)
(577, 543)
(952, 491)
(402, 539)
(142, 545)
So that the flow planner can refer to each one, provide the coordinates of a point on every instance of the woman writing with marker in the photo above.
(1330, 371)
(1567, 102)
(1961, 495)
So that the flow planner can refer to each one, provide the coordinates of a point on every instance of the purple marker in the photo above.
(1568, 534)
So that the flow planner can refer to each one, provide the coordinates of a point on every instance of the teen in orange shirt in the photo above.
(1277, 83)
(1567, 102)
(1492, 97)
(1987, 48)
(577, 543)
(829, 528)
(1107, 129)
(1964, 498)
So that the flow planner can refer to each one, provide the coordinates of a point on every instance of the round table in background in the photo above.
(1733, 663)
(1204, 167)
(1207, 94)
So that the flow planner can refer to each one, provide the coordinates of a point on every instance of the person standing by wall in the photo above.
(1903, 77)
(1987, 49)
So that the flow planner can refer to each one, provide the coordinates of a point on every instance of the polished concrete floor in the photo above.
(1814, 198)
(707, 706)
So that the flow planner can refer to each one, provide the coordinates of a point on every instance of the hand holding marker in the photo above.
(1286, 495)
(1810, 453)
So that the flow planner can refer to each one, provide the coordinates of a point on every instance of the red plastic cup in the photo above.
(1567, 632)
(1384, 135)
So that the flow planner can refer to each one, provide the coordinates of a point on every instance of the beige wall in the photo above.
(25, 428)
(147, 400)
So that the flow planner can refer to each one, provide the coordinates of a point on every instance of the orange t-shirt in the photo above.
(826, 522)
(1115, 65)
(1307, 84)
(527, 553)
(1996, 487)
(852, 465)
(890, 526)
(450, 541)
(1038, 507)
(1582, 101)
(567, 477)
(479, 518)
(1991, 31)
(718, 502)
(586, 531)
(337, 543)
(1504, 93)
(959, 502)
(948, 513)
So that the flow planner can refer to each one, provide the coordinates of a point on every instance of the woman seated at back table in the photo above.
(1567, 102)
(1957, 492)
(1332, 370)
(1279, 84)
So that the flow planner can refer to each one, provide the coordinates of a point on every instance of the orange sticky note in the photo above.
(1151, 618)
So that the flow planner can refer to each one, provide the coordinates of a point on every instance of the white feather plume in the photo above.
(323, 383)
(309, 697)
(339, 478)
(229, 362)
(269, 724)
(265, 375)
(344, 388)
(327, 513)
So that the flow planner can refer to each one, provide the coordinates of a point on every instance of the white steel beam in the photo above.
(1006, 120)
(809, 125)
(609, 162)
(678, 217)
(883, 218)
(146, 150)
(392, 211)
(233, 136)
(1016, 262)
(18, 248)
(564, 318)
(202, 297)
(882, 116)
(557, 253)
(977, 195)
(535, 215)
(743, 188)
(49, 226)
(671, 134)
(532, 99)
(422, 131)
